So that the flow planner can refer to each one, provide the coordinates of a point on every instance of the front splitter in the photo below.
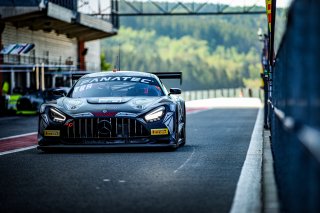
(104, 147)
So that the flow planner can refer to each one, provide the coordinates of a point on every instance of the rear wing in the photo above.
(169, 75)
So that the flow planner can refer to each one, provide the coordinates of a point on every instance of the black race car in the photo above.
(32, 100)
(115, 109)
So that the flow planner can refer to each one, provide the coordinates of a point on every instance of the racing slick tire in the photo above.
(184, 134)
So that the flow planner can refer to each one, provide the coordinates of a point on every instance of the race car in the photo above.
(115, 109)
(30, 102)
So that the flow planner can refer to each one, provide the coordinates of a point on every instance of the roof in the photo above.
(55, 15)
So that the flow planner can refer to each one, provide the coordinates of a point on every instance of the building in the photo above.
(63, 40)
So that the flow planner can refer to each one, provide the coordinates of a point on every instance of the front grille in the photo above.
(106, 128)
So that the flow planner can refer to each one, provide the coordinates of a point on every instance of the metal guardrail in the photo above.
(308, 136)
(219, 93)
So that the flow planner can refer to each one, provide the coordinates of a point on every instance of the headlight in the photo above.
(155, 115)
(57, 116)
(73, 104)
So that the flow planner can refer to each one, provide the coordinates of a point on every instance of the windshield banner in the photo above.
(116, 78)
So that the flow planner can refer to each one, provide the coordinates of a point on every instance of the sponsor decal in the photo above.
(52, 133)
(83, 88)
(126, 114)
(85, 114)
(69, 125)
(113, 78)
(269, 12)
(104, 114)
(159, 131)
(108, 100)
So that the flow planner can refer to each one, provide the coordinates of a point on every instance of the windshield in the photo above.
(116, 86)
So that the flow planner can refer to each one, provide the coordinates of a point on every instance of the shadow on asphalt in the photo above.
(62, 150)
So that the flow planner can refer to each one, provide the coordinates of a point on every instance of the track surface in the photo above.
(200, 177)
(17, 125)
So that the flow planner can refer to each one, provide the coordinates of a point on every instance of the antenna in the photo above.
(115, 65)
(115, 68)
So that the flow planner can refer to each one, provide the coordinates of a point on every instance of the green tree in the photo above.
(103, 64)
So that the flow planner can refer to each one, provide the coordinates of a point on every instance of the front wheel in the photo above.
(184, 132)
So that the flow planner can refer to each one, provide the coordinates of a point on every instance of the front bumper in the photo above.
(103, 132)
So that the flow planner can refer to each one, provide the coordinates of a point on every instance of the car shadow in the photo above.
(69, 150)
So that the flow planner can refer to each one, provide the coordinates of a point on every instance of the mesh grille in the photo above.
(106, 128)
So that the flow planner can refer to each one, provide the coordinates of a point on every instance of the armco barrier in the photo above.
(295, 110)
(219, 93)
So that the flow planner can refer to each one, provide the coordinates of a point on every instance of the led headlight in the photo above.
(57, 116)
(155, 115)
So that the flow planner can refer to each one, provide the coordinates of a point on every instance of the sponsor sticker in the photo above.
(104, 114)
(69, 125)
(52, 133)
(90, 81)
(159, 131)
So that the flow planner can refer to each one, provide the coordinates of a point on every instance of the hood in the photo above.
(130, 102)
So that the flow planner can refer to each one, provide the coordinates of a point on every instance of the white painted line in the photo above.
(106, 180)
(18, 150)
(122, 181)
(182, 165)
(248, 193)
(18, 136)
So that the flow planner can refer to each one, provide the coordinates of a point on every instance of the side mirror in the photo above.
(58, 92)
(175, 91)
